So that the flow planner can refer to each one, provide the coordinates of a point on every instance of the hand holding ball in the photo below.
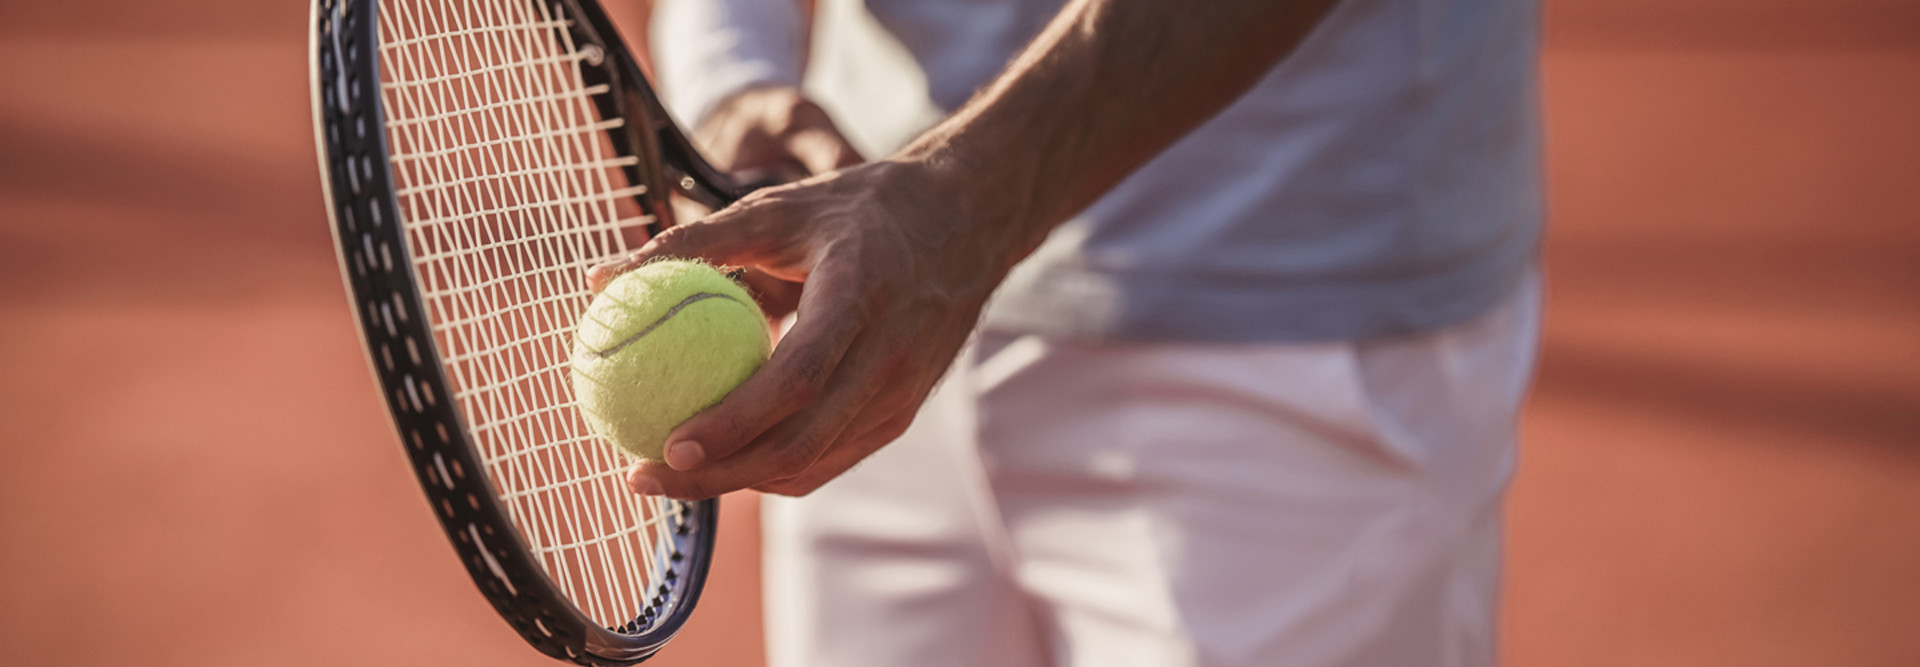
(661, 343)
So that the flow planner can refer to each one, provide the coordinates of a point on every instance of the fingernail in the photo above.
(646, 486)
(685, 454)
(599, 276)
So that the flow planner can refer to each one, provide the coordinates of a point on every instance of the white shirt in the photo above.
(1382, 180)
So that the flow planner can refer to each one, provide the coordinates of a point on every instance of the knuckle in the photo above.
(764, 216)
(889, 430)
(676, 237)
(779, 119)
(808, 381)
(806, 112)
(799, 395)
(791, 113)
(892, 406)
(732, 427)
(796, 456)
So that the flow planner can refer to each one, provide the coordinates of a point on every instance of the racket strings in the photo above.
(509, 189)
(599, 126)
(529, 171)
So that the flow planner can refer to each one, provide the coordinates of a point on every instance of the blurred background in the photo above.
(1721, 459)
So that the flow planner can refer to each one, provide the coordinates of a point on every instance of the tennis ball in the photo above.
(661, 343)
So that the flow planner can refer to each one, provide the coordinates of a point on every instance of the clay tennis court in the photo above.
(1721, 460)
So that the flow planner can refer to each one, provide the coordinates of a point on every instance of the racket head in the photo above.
(465, 206)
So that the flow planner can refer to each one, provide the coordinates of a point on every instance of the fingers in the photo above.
(807, 133)
(792, 449)
(813, 446)
(770, 127)
(739, 235)
(882, 420)
(821, 148)
(858, 441)
(791, 381)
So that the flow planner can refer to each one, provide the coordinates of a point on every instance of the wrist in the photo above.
(991, 190)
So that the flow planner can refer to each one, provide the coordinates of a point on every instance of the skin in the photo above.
(898, 256)
(769, 130)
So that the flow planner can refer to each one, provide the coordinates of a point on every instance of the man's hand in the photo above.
(770, 131)
(895, 281)
(899, 256)
(774, 130)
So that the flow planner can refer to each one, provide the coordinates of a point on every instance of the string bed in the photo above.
(508, 190)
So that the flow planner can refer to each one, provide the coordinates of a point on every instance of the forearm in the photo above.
(1108, 85)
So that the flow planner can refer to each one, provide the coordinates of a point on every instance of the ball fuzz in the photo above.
(660, 344)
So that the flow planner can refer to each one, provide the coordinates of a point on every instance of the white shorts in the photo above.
(1168, 505)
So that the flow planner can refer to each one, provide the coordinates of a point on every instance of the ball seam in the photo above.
(691, 299)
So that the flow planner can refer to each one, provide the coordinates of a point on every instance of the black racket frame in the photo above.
(372, 247)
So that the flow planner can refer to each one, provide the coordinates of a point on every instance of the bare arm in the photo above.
(1108, 85)
(900, 255)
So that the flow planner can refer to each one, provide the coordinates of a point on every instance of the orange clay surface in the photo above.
(1722, 457)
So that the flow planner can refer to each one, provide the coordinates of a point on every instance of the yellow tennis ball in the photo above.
(661, 343)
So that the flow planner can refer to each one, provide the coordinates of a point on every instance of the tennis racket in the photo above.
(477, 157)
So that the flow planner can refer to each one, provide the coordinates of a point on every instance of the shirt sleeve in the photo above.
(707, 50)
